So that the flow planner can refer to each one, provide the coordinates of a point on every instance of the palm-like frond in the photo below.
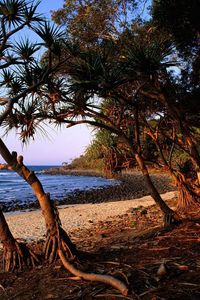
(24, 118)
(147, 51)
(49, 34)
(12, 11)
(8, 77)
(31, 74)
(25, 49)
(95, 72)
(16, 12)
(31, 15)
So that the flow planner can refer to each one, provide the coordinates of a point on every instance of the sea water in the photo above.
(13, 189)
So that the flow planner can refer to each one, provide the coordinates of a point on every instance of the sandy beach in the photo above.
(29, 225)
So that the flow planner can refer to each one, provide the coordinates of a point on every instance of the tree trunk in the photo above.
(169, 215)
(187, 199)
(56, 236)
(15, 255)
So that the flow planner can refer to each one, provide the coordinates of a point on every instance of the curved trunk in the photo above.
(170, 217)
(186, 197)
(55, 233)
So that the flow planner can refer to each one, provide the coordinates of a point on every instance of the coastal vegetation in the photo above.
(131, 73)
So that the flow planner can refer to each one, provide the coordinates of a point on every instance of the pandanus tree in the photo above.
(22, 76)
(99, 74)
(25, 81)
(125, 72)
(115, 75)
(179, 24)
(169, 97)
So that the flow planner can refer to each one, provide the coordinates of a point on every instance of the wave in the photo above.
(5, 173)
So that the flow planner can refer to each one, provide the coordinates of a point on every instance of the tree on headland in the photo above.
(122, 70)
(87, 74)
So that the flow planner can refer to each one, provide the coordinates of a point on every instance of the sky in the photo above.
(61, 145)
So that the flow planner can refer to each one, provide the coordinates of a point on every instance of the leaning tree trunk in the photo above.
(170, 217)
(56, 236)
(15, 255)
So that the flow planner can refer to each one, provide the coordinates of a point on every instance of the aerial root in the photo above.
(172, 218)
(188, 200)
(52, 244)
(18, 257)
(107, 279)
(50, 249)
(187, 204)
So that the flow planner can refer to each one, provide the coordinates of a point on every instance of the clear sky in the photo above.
(60, 145)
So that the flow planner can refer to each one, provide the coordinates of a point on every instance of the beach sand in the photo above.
(29, 225)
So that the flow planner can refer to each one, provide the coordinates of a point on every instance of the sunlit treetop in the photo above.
(90, 20)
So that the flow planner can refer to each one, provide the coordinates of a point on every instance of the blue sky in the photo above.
(60, 145)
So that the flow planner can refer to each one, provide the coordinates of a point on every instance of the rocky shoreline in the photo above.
(74, 172)
(131, 186)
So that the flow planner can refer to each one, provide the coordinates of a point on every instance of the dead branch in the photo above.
(107, 279)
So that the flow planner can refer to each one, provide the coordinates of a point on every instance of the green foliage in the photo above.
(19, 12)
(96, 153)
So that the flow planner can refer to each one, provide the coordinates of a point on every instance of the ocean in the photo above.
(14, 190)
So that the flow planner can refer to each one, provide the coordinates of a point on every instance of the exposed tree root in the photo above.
(53, 240)
(187, 201)
(18, 257)
(172, 218)
(107, 279)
